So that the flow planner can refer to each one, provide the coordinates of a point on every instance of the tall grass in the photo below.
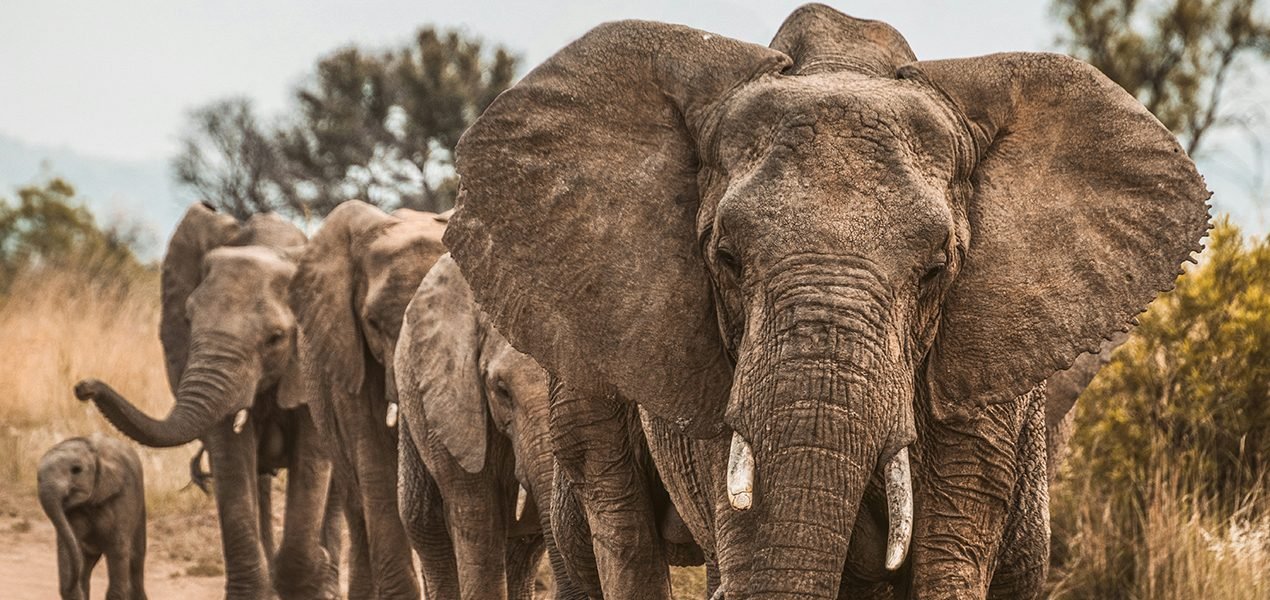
(60, 325)
(1170, 540)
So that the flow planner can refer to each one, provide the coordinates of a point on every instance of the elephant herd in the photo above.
(786, 311)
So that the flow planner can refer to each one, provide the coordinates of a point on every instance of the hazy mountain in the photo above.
(122, 192)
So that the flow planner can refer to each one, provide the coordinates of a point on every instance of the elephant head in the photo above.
(354, 283)
(81, 472)
(228, 333)
(458, 377)
(793, 246)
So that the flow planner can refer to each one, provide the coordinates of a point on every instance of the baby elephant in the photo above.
(92, 490)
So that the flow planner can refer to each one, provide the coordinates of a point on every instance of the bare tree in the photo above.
(229, 159)
(1176, 56)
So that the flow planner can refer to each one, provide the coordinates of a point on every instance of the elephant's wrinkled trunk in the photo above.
(814, 411)
(216, 383)
(534, 456)
(70, 560)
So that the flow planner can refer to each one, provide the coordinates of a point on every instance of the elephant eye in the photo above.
(275, 337)
(934, 270)
(728, 260)
(76, 469)
(500, 389)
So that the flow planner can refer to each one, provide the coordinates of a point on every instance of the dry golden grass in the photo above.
(1181, 546)
(59, 326)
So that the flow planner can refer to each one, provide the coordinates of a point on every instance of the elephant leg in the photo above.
(233, 457)
(303, 568)
(419, 501)
(120, 585)
(1024, 562)
(264, 510)
(361, 582)
(390, 560)
(333, 527)
(968, 470)
(593, 446)
(86, 578)
(524, 554)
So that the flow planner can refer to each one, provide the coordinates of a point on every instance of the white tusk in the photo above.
(521, 497)
(899, 509)
(391, 419)
(740, 473)
(240, 421)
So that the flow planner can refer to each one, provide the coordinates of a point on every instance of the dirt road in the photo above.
(28, 568)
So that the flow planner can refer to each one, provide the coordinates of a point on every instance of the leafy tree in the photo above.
(1176, 56)
(1172, 439)
(49, 227)
(230, 159)
(380, 126)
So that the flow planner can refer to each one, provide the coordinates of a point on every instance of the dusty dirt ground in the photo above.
(182, 558)
(28, 568)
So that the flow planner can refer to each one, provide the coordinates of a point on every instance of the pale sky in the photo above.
(114, 80)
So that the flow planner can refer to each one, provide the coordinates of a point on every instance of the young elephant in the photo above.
(474, 452)
(93, 490)
(350, 290)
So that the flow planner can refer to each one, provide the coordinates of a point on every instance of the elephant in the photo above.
(228, 337)
(474, 454)
(351, 288)
(1062, 390)
(833, 278)
(93, 490)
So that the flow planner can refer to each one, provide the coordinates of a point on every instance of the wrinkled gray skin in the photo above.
(229, 339)
(1062, 390)
(350, 291)
(826, 251)
(93, 490)
(473, 432)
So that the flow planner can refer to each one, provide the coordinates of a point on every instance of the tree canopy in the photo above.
(48, 227)
(1175, 56)
(379, 126)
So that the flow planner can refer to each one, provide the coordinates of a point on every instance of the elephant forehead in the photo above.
(841, 121)
(258, 261)
(841, 163)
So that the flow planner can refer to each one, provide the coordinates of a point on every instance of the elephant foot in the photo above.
(316, 578)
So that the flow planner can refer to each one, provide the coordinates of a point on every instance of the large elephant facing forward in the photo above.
(350, 291)
(834, 279)
(229, 340)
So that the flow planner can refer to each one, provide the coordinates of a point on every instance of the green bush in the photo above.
(1173, 437)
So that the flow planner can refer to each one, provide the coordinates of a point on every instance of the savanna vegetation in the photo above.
(1165, 493)
(75, 301)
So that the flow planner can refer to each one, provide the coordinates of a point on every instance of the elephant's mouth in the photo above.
(897, 481)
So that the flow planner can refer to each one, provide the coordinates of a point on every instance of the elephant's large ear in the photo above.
(577, 207)
(322, 294)
(293, 387)
(113, 457)
(200, 231)
(437, 366)
(1083, 208)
